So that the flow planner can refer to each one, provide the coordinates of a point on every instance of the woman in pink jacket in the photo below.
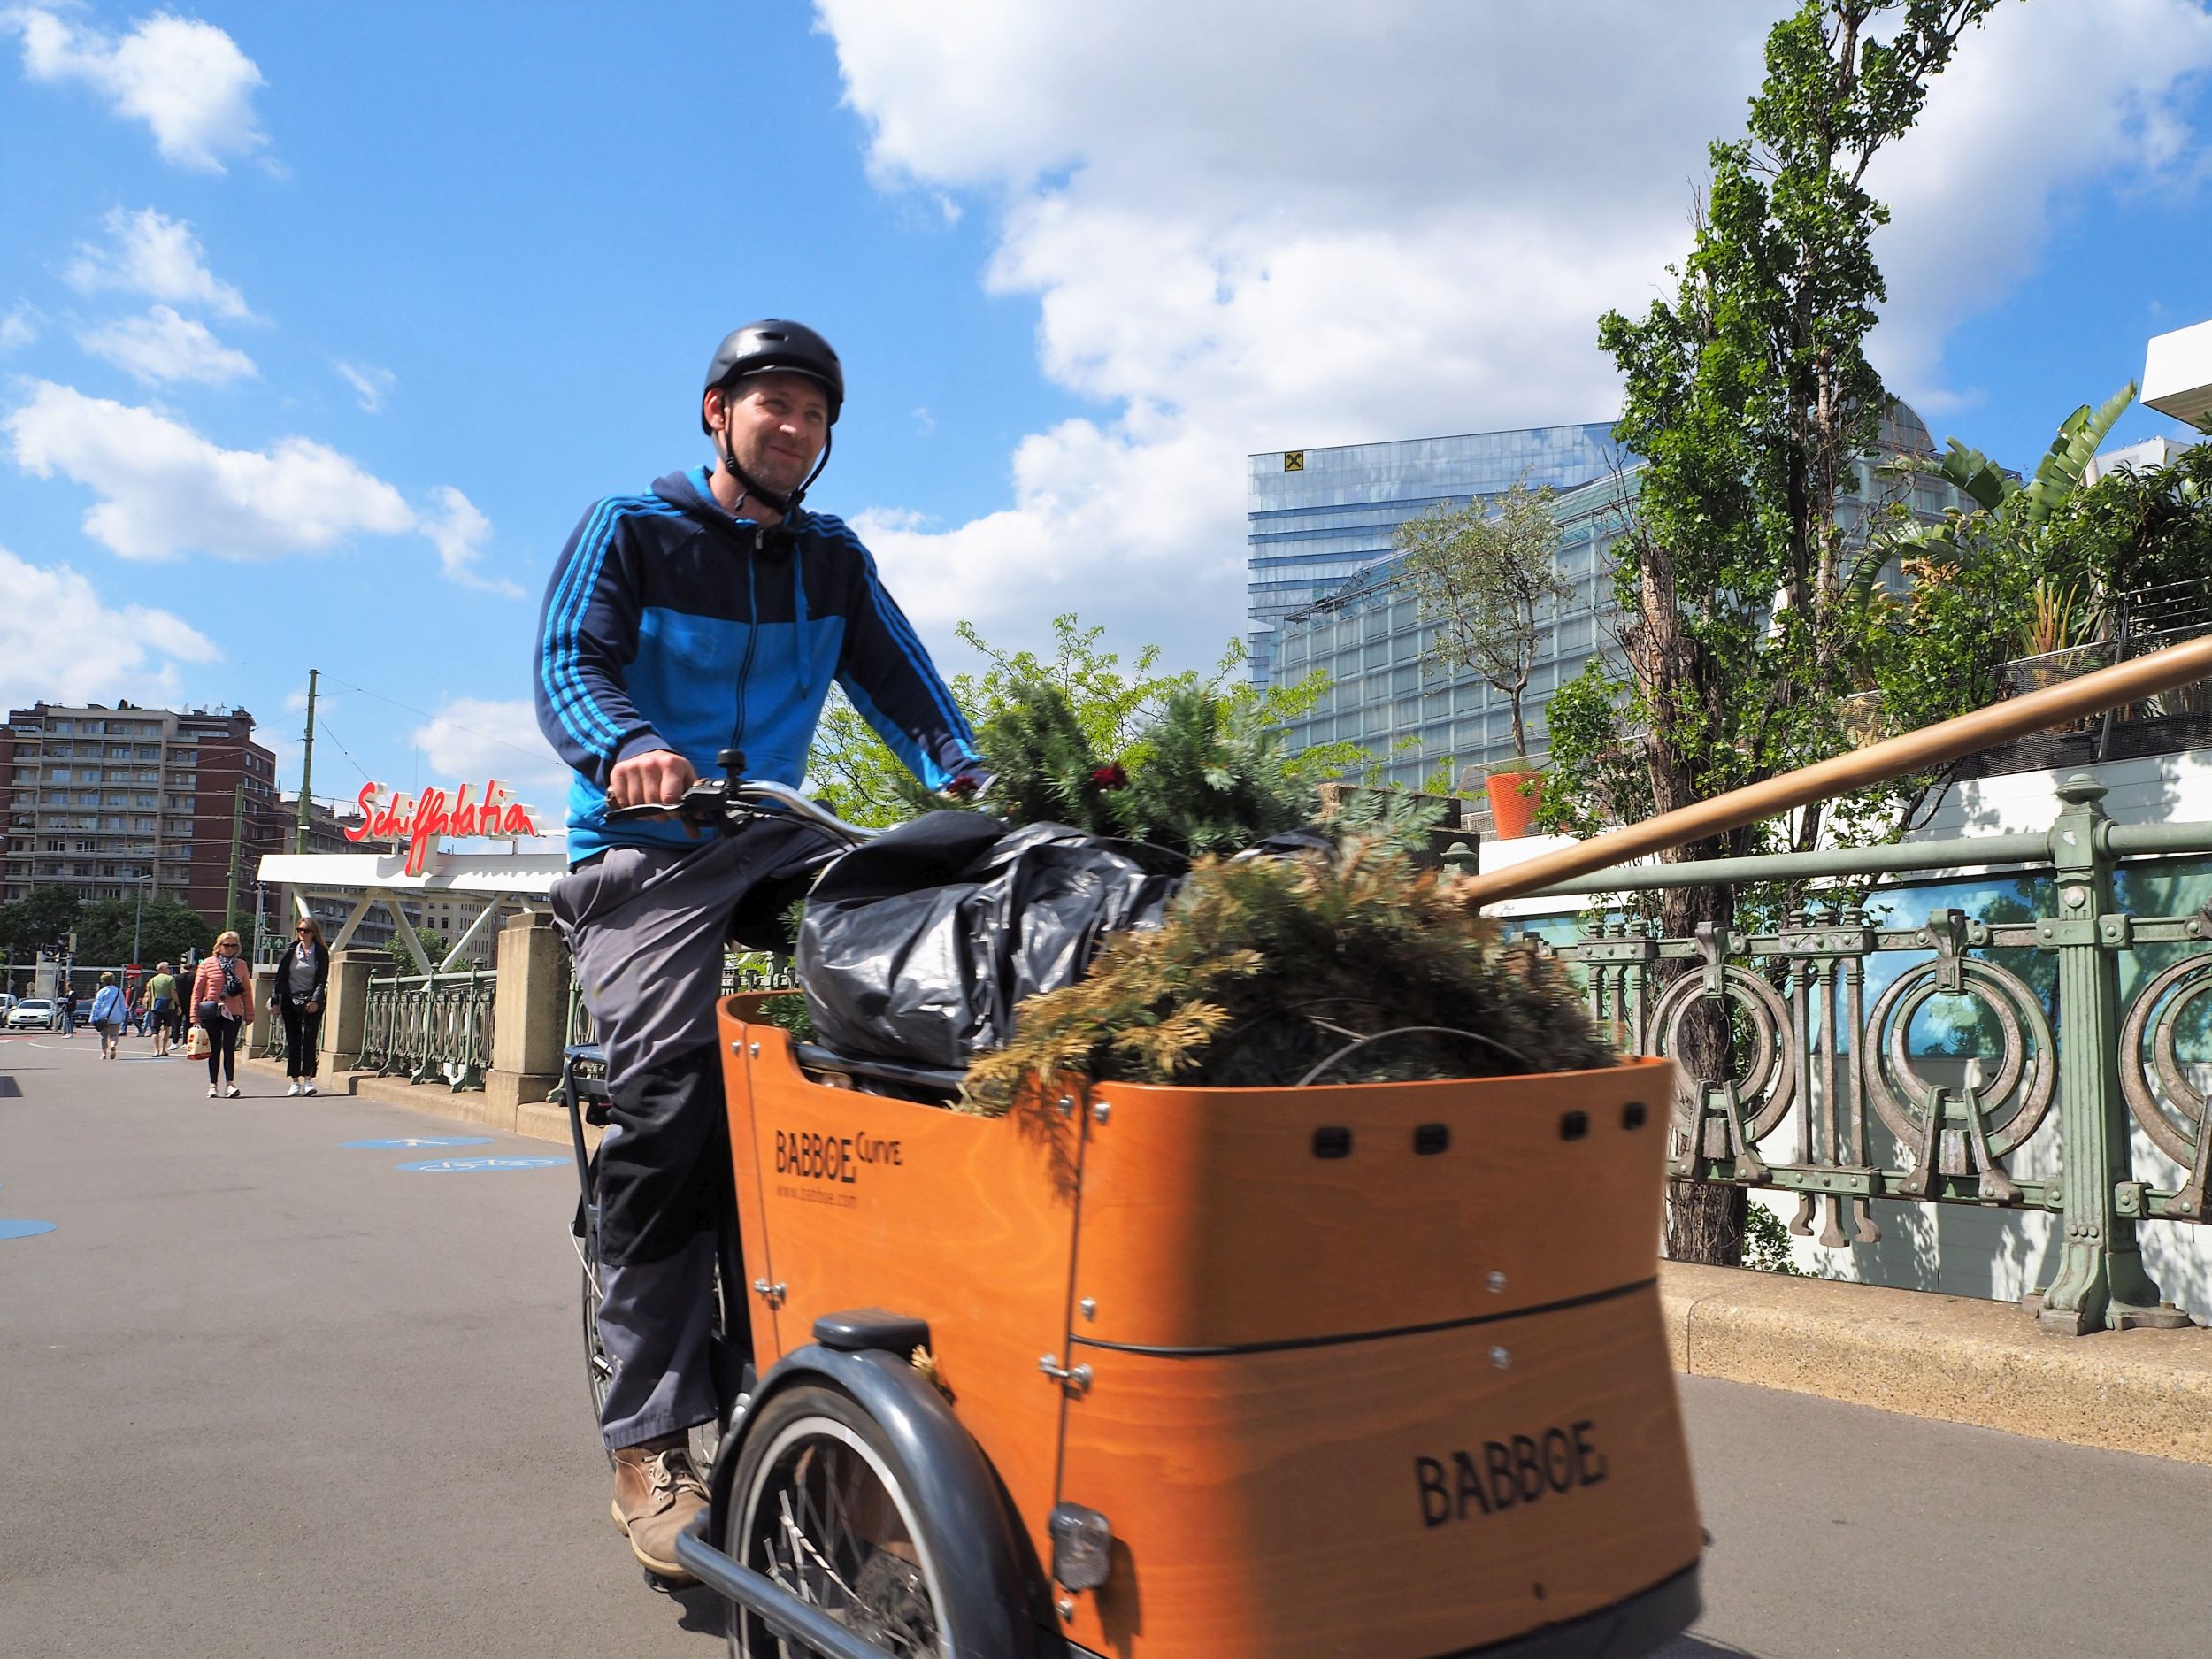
(222, 1003)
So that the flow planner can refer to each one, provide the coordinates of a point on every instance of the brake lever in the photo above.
(704, 805)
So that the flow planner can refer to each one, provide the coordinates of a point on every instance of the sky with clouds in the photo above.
(319, 330)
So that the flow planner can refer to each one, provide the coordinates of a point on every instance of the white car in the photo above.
(32, 1013)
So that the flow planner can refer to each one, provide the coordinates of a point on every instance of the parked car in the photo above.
(32, 1013)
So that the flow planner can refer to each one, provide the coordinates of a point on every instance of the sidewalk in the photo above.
(1953, 1358)
(542, 1120)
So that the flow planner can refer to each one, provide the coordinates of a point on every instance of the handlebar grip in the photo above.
(635, 814)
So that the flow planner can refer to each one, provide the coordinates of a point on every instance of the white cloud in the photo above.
(458, 530)
(162, 490)
(149, 253)
(19, 327)
(479, 737)
(162, 346)
(1334, 225)
(2046, 100)
(370, 385)
(58, 640)
(186, 79)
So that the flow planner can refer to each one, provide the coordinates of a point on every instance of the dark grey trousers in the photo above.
(647, 928)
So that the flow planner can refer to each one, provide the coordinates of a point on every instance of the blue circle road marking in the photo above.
(23, 1229)
(416, 1141)
(471, 1166)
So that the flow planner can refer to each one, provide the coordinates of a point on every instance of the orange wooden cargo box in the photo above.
(1369, 1370)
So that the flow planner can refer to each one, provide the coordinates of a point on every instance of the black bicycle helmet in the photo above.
(774, 344)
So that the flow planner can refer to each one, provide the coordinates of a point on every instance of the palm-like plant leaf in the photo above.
(1975, 475)
(2059, 472)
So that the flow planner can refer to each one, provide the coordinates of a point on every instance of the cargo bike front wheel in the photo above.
(822, 1504)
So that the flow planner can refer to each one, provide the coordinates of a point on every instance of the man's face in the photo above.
(777, 423)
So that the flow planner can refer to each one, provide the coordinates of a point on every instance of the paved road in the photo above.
(263, 1395)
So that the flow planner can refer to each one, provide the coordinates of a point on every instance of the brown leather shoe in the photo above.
(657, 1494)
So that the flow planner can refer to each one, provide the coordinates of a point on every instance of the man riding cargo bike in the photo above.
(1157, 1371)
(710, 613)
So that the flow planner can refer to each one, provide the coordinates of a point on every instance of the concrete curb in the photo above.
(1953, 1358)
(538, 1119)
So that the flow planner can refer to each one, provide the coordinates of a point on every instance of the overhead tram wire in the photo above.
(440, 720)
(322, 726)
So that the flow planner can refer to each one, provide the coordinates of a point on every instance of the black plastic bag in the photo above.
(919, 945)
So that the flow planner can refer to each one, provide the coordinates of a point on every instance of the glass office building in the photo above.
(1367, 635)
(1317, 517)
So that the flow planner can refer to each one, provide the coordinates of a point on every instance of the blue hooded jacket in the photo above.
(668, 624)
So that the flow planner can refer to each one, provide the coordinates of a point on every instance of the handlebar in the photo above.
(727, 803)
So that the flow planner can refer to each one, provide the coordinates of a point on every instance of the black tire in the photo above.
(822, 1504)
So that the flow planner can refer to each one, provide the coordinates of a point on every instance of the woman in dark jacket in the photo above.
(302, 976)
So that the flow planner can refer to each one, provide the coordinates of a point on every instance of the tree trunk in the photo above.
(1705, 1220)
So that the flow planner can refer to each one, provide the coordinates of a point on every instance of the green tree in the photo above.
(434, 945)
(40, 921)
(2133, 529)
(1482, 578)
(1110, 705)
(1749, 396)
(166, 928)
(2018, 550)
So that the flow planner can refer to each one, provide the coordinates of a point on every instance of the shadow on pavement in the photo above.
(1697, 1647)
(702, 1609)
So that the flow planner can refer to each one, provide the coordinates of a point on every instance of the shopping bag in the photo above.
(197, 1044)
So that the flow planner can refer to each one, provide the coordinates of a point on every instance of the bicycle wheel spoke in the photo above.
(829, 1531)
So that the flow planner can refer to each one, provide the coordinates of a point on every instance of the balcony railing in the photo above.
(435, 1026)
(751, 972)
(2045, 1051)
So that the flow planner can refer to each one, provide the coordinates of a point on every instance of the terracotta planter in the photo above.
(1514, 798)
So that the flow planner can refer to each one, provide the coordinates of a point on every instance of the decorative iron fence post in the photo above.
(471, 1072)
(2101, 1283)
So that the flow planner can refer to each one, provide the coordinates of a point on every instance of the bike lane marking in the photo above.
(475, 1166)
(416, 1140)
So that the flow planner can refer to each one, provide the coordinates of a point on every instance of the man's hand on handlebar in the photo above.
(657, 778)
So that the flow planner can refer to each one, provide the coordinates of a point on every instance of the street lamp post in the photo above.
(138, 916)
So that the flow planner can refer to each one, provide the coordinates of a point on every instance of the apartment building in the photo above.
(116, 802)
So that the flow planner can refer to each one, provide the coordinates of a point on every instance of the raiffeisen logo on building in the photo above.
(419, 820)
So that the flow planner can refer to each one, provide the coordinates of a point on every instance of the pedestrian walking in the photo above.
(108, 1011)
(303, 978)
(161, 999)
(222, 1003)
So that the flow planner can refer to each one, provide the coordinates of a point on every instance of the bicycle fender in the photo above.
(954, 1487)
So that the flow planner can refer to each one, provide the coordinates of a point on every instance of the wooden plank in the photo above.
(967, 1222)
(1394, 1499)
(1209, 1220)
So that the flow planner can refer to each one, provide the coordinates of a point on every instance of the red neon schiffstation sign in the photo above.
(419, 820)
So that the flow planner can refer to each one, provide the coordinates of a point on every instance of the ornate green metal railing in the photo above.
(755, 971)
(430, 1027)
(1994, 1059)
